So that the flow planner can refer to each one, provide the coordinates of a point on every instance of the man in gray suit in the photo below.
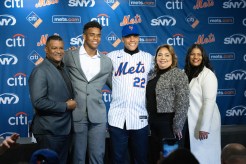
(51, 94)
(89, 71)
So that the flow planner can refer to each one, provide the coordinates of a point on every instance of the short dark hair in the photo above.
(53, 37)
(91, 24)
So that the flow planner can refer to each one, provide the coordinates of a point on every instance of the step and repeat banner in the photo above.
(220, 26)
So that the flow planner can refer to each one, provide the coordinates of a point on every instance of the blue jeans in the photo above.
(138, 140)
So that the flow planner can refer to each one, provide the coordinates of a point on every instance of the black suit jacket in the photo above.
(49, 93)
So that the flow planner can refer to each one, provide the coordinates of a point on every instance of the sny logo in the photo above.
(165, 20)
(77, 41)
(236, 75)
(6, 20)
(81, 3)
(7, 59)
(236, 5)
(9, 98)
(235, 39)
(236, 111)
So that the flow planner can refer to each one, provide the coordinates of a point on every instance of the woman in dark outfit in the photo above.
(167, 96)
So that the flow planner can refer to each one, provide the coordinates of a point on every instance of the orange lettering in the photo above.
(205, 40)
(200, 4)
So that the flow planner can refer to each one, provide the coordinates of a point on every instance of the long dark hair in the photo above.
(192, 72)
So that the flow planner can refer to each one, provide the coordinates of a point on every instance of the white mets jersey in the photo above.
(129, 81)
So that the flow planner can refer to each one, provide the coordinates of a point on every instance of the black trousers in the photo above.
(161, 126)
(57, 143)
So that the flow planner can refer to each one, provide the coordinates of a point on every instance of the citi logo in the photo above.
(235, 39)
(34, 19)
(13, 3)
(8, 59)
(235, 5)
(113, 39)
(176, 40)
(18, 40)
(35, 58)
(106, 94)
(165, 20)
(19, 79)
(9, 98)
(77, 41)
(192, 20)
(19, 119)
(236, 75)
(112, 3)
(81, 3)
(112, 36)
(42, 3)
(236, 111)
(6, 20)
(172, 5)
(102, 19)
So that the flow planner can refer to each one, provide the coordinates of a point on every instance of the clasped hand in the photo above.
(71, 104)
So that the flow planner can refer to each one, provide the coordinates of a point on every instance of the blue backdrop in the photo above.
(220, 26)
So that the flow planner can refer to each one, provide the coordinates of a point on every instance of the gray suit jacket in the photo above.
(49, 93)
(88, 94)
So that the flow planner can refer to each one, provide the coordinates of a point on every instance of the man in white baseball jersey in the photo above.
(128, 117)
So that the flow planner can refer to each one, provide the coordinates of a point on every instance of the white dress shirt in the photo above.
(90, 65)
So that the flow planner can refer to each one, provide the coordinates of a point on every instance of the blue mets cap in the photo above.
(130, 29)
(44, 156)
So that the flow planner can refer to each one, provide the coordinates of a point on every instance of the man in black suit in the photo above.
(52, 97)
